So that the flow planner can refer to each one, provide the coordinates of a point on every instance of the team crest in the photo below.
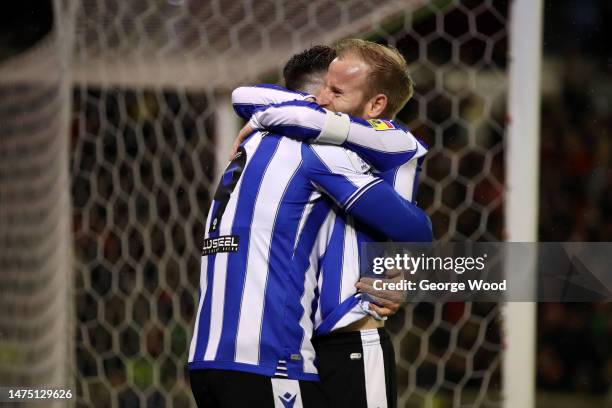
(380, 124)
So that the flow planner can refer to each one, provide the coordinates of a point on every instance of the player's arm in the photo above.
(382, 143)
(368, 198)
(248, 99)
(385, 303)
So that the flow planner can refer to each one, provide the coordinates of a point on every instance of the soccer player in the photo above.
(261, 231)
(356, 361)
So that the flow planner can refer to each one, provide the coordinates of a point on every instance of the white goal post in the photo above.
(522, 194)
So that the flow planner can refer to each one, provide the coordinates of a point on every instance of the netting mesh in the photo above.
(35, 271)
(149, 75)
(449, 354)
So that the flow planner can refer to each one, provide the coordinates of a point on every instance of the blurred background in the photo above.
(113, 120)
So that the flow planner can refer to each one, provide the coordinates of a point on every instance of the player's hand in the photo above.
(382, 306)
(387, 302)
(244, 133)
(366, 285)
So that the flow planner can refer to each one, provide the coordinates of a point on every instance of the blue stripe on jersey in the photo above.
(390, 175)
(307, 104)
(381, 160)
(204, 323)
(374, 157)
(236, 263)
(331, 264)
(295, 290)
(315, 300)
(279, 259)
(331, 296)
(358, 194)
(339, 188)
(334, 316)
(297, 132)
(246, 110)
(415, 187)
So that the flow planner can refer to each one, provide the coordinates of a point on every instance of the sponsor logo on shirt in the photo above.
(381, 124)
(224, 243)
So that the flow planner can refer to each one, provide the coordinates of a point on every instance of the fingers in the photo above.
(393, 273)
(242, 135)
(365, 282)
(386, 304)
(366, 285)
(382, 311)
(235, 147)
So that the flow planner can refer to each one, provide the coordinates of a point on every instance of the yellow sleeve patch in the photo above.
(380, 124)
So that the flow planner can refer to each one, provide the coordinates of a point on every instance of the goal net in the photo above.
(149, 78)
(36, 332)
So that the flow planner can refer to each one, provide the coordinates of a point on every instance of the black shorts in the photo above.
(357, 369)
(237, 389)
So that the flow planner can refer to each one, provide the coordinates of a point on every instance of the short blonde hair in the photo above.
(388, 71)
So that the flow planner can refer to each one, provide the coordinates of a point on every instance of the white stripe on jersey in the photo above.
(350, 261)
(203, 277)
(350, 268)
(307, 209)
(203, 286)
(404, 179)
(262, 96)
(239, 332)
(275, 181)
(220, 269)
(374, 369)
(321, 246)
(310, 283)
(283, 114)
(393, 140)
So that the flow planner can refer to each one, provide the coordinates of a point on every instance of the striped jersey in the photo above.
(254, 311)
(385, 144)
(267, 227)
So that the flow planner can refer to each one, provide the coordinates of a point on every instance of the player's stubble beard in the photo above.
(359, 110)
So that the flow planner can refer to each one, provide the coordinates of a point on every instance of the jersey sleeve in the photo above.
(384, 144)
(338, 173)
(248, 99)
(405, 179)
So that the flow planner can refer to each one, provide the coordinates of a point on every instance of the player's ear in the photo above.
(376, 105)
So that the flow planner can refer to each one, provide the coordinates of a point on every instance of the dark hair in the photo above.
(299, 69)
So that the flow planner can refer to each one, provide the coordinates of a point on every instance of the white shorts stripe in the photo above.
(285, 392)
(374, 369)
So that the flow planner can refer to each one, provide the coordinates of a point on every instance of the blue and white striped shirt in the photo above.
(265, 231)
(384, 144)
